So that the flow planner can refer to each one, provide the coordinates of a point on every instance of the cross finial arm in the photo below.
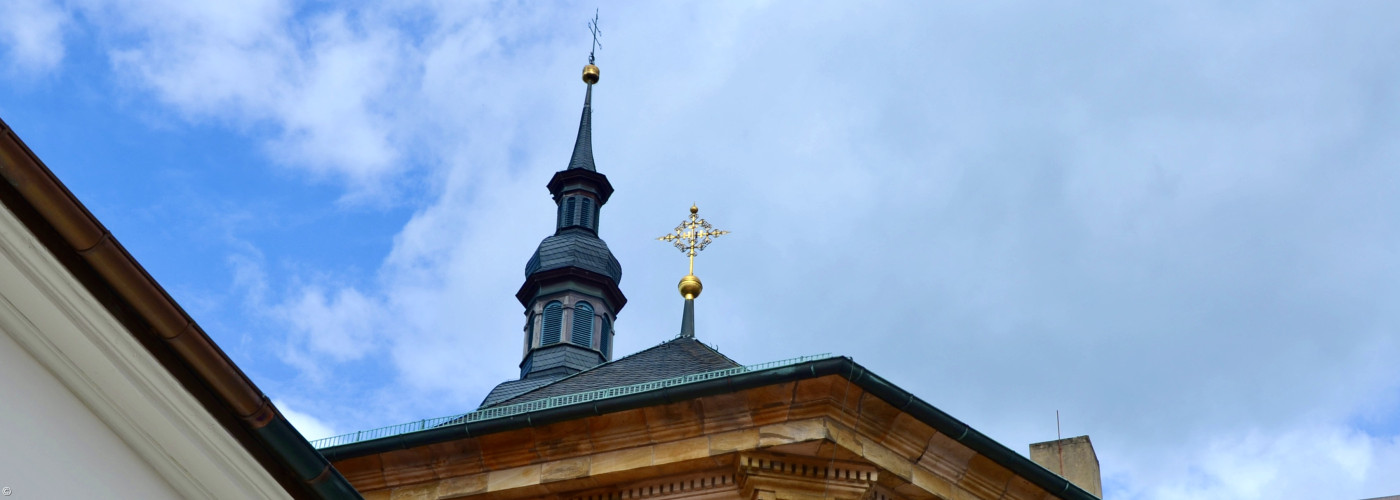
(693, 235)
(593, 28)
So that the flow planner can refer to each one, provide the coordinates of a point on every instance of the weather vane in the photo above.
(593, 27)
(692, 236)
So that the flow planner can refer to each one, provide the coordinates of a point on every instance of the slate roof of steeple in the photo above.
(673, 358)
(575, 247)
(583, 145)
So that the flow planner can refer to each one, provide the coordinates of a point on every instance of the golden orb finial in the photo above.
(694, 209)
(690, 286)
(590, 74)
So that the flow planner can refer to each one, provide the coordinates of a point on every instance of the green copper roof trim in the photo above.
(552, 402)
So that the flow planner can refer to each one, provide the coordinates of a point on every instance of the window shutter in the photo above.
(553, 323)
(586, 212)
(569, 211)
(606, 337)
(583, 325)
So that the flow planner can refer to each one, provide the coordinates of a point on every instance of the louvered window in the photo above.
(586, 212)
(606, 336)
(595, 218)
(553, 323)
(569, 210)
(583, 325)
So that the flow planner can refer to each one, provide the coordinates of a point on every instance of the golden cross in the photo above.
(693, 235)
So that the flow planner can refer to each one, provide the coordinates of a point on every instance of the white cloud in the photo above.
(310, 427)
(1304, 462)
(249, 278)
(1173, 228)
(986, 209)
(320, 80)
(31, 35)
(334, 120)
(342, 325)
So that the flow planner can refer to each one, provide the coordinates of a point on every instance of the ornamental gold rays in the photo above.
(692, 236)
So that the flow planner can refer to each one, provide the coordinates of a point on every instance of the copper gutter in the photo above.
(272, 438)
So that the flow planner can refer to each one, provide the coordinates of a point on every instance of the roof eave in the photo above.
(843, 366)
(90, 252)
(592, 178)
(531, 287)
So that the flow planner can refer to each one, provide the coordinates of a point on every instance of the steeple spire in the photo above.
(583, 145)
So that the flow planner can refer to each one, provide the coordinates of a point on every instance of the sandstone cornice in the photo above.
(824, 419)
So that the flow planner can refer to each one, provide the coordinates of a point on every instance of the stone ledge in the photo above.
(603, 452)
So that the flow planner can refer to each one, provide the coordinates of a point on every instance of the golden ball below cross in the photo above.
(690, 286)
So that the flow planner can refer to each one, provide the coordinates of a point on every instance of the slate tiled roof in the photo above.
(513, 388)
(545, 366)
(575, 247)
(583, 145)
(674, 358)
(563, 359)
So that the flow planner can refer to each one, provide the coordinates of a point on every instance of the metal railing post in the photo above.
(562, 400)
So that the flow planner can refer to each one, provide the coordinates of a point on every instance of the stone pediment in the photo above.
(822, 437)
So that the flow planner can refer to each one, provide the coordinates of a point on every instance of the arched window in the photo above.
(606, 336)
(553, 323)
(583, 325)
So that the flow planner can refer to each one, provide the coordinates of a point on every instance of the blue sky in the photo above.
(1174, 223)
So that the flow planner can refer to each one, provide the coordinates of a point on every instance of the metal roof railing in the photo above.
(552, 402)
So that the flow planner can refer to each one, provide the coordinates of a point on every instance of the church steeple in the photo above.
(571, 293)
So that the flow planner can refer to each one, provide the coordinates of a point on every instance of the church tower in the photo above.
(570, 293)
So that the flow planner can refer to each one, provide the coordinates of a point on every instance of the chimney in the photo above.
(1081, 465)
